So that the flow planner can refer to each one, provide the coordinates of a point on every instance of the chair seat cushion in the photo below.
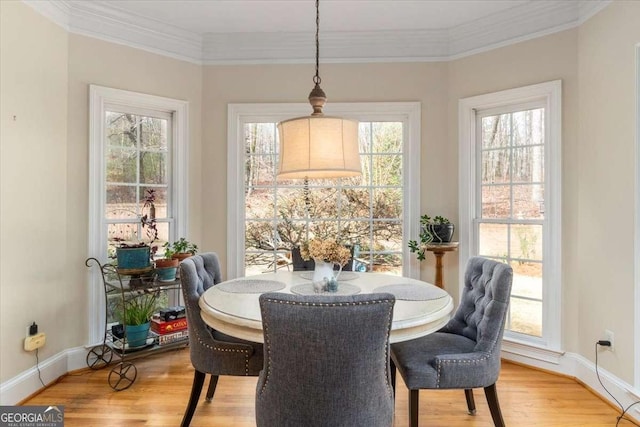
(416, 359)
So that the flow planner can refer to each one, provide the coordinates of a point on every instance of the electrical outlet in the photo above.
(34, 341)
(608, 335)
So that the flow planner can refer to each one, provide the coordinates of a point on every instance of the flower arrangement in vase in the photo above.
(326, 254)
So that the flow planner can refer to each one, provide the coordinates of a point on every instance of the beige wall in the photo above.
(34, 263)
(606, 192)
(47, 89)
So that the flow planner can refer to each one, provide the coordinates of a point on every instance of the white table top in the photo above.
(238, 314)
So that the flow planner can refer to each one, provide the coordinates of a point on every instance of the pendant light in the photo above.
(318, 146)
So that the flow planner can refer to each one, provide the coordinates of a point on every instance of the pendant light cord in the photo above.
(316, 78)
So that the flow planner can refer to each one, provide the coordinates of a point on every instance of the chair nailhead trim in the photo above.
(464, 361)
(458, 361)
(267, 342)
(386, 351)
(328, 304)
(229, 350)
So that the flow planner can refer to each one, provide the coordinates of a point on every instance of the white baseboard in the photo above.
(577, 366)
(26, 383)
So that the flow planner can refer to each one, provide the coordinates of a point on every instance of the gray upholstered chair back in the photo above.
(211, 352)
(326, 361)
(483, 307)
(197, 274)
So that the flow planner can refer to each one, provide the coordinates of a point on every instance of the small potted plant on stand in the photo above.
(181, 249)
(435, 230)
(167, 267)
(136, 318)
(441, 228)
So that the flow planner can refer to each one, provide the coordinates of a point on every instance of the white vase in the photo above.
(324, 269)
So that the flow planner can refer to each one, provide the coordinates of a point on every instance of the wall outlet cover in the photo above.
(35, 341)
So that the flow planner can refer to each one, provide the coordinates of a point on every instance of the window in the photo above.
(510, 185)
(138, 143)
(369, 212)
(137, 162)
(637, 225)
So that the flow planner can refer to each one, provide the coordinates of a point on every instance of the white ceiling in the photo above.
(276, 31)
(224, 16)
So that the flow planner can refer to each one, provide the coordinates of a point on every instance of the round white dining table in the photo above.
(232, 307)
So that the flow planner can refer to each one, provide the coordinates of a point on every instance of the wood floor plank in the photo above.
(160, 393)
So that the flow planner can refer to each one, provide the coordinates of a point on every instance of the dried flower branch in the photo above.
(326, 250)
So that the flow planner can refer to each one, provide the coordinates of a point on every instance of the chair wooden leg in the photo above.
(392, 367)
(494, 406)
(213, 382)
(471, 404)
(196, 388)
(413, 408)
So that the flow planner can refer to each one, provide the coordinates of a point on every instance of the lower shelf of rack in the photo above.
(151, 346)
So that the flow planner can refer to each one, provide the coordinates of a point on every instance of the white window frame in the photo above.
(637, 227)
(238, 114)
(550, 94)
(99, 98)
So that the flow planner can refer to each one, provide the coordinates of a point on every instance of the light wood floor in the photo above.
(159, 396)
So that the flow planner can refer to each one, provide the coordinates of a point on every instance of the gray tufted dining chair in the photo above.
(326, 361)
(211, 351)
(465, 353)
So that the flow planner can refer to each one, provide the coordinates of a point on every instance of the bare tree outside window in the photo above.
(136, 160)
(512, 208)
(364, 211)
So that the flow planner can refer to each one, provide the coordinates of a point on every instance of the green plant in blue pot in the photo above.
(167, 267)
(136, 318)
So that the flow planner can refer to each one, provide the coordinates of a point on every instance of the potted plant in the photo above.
(167, 267)
(136, 318)
(441, 229)
(432, 230)
(135, 257)
(181, 249)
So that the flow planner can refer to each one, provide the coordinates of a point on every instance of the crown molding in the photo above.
(590, 8)
(531, 20)
(56, 11)
(96, 20)
(512, 25)
(336, 47)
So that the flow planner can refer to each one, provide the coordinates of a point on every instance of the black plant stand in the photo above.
(133, 284)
